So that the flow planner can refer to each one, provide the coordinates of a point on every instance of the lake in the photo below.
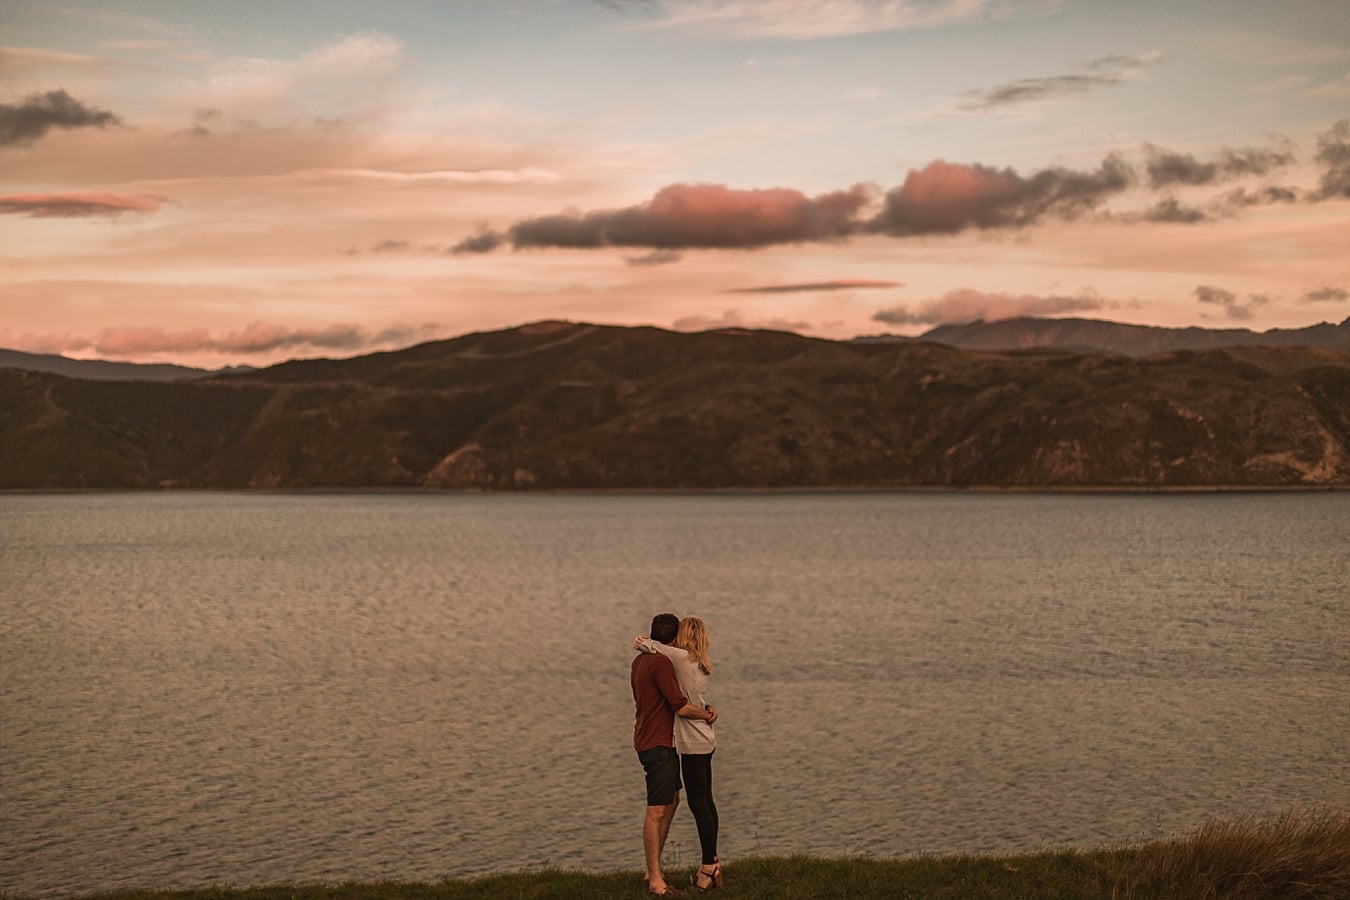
(211, 688)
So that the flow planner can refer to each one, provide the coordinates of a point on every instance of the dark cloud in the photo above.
(402, 247)
(1101, 73)
(843, 284)
(23, 123)
(1325, 295)
(945, 198)
(1233, 307)
(1266, 196)
(1170, 210)
(1241, 163)
(1178, 168)
(1333, 152)
(1025, 90)
(1166, 169)
(1119, 61)
(74, 206)
(968, 305)
(199, 118)
(484, 241)
(1209, 294)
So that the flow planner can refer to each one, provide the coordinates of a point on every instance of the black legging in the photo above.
(697, 769)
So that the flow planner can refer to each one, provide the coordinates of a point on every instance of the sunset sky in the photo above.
(216, 183)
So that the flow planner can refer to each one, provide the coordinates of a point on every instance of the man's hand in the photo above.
(712, 714)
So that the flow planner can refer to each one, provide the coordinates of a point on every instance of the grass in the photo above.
(1303, 854)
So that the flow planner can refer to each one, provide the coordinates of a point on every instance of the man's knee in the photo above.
(660, 813)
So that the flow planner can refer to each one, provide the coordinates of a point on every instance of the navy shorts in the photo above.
(662, 765)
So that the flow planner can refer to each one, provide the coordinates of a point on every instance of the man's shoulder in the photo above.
(651, 662)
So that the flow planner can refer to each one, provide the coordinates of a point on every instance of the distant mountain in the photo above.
(102, 370)
(1096, 336)
(557, 405)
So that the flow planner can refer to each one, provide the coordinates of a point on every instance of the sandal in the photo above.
(714, 878)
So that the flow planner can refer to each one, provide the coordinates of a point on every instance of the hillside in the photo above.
(557, 405)
(1095, 335)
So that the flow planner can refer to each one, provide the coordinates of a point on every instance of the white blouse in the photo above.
(691, 735)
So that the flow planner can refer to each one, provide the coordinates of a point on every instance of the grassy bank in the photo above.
(1298, 855)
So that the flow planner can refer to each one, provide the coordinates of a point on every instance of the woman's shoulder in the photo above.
(672, 651)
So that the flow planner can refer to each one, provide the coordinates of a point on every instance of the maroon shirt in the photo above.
(656, 696)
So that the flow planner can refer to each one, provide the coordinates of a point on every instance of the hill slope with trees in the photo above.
(559, 406)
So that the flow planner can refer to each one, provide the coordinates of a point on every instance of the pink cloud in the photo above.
(969, 305)
(128, 340)
(945, 198)
(942, 198)
(683, 216)
(29, 342)
(78, 205)
(257, 337)
(655, 258)
(733, 318)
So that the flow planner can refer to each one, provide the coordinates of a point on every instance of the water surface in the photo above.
(245, 688)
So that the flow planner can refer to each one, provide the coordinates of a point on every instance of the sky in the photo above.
(241, 183)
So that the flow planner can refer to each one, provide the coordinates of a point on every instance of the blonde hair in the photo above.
(693, 639)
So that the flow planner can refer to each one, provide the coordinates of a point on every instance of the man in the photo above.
(658, 700)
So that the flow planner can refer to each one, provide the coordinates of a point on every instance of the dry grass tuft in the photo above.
(1300, 854)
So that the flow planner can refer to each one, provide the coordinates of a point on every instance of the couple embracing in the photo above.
(673, 733)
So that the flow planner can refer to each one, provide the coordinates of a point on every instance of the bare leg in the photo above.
(655, 827)
(665, 823)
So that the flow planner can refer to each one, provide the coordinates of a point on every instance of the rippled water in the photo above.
(213, 688)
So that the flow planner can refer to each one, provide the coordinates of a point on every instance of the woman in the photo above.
(694, 738)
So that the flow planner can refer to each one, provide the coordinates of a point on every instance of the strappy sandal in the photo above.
(714, 878)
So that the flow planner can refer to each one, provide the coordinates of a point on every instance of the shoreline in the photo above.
(715, 491)
(1304, 852)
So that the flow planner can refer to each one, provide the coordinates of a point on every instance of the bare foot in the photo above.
(659, 887)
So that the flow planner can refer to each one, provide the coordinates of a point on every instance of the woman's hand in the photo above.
(638, 642)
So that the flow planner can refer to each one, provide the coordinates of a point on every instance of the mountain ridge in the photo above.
(1070, 334)
(1078, 335)
(559, 405)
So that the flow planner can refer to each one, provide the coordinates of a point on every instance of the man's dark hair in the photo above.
(665, 627)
